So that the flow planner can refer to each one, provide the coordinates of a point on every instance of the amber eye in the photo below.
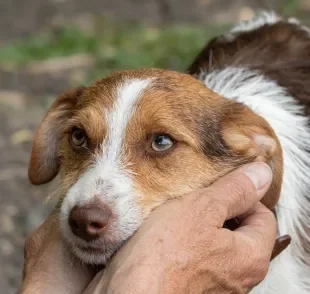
(162, 143)
(78, 137)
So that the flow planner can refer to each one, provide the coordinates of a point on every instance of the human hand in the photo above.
(183, 248)
(49, 266)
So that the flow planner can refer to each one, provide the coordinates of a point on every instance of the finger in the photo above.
(280, 245)
(237, 192)
(260, 226)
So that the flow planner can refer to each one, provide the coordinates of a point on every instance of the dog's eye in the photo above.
(162, 143)
(78, 137)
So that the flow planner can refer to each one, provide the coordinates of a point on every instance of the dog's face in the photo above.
(134, 140)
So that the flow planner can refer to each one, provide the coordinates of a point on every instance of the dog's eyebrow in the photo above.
(71, 123)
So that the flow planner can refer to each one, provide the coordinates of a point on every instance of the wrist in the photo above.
(156, 272)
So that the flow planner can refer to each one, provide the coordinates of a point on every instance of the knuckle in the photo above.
(205, 201)
(254, 264)
(259, 265)
(205, 211)
(255, 276)
(259, 273)
(262, 263)
(237, 185)
(238, 190)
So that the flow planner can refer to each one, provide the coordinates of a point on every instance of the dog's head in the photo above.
(130, 142)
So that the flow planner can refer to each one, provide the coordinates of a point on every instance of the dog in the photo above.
(129, 142)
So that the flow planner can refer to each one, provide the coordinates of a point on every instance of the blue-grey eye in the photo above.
(162, 143)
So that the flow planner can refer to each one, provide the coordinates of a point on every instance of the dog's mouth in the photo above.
(91, 248)
(96, 254)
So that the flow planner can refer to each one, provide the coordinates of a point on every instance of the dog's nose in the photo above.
(89, 222)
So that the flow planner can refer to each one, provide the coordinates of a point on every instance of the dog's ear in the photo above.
(44, 162)
(250, 136)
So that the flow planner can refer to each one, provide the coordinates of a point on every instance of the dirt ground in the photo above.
(24, 97)
(22, 208)
(23, 103)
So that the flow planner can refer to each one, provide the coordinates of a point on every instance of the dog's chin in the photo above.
(93, 255)
(96, 252)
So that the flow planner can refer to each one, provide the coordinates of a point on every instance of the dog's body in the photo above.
(265, 64)
(121, 145)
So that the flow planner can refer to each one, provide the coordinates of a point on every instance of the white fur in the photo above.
(287, 273)
(109, 179)
(295, 21)
(260, 20)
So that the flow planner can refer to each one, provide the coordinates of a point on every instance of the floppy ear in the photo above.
(250, 136)
(44, 161)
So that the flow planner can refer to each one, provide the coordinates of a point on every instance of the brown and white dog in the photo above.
(131, 141)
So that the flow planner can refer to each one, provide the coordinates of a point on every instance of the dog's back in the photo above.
(265, 64)
(278, 47)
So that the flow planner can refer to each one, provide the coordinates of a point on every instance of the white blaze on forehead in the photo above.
(127, 96)
(109, 173)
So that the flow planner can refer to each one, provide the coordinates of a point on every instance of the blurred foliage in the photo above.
(117, 47)
(289, 7)
(60, 42)
(114, 47)
(169, 47)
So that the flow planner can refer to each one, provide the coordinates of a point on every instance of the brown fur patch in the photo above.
(250, 136)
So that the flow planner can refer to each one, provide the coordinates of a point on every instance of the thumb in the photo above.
(237, 192)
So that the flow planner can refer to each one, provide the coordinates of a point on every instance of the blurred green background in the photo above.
(49, 46)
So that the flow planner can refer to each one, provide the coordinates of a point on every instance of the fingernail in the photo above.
(259, 173)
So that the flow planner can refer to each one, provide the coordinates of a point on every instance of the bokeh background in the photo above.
(49, 46)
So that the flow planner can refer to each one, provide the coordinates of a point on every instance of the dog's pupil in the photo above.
(162, 141)
(78, 135)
